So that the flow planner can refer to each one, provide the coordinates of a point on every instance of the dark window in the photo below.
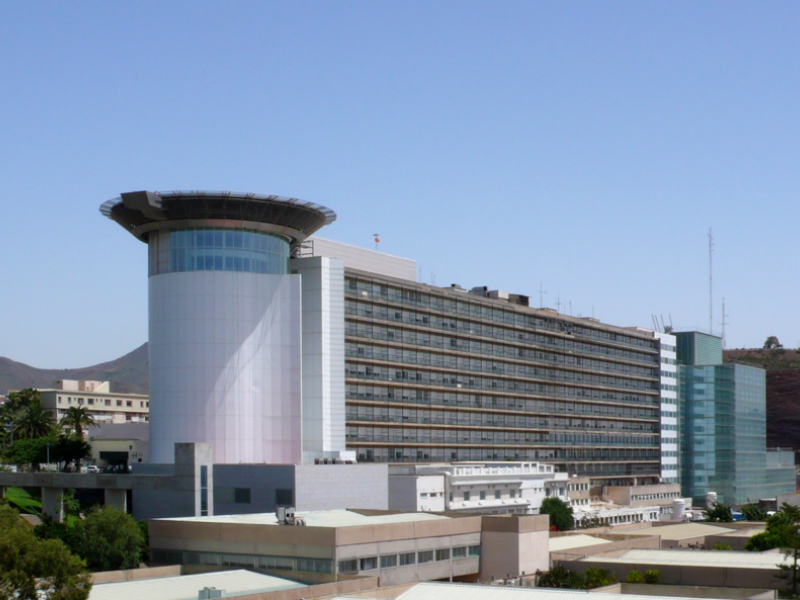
(241, 495)
(284, 497)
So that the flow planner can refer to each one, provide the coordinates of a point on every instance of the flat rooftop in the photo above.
(568, 542)
(185, 587)
(694, 558)
(318, 518)
(463, 591)
(680, 531)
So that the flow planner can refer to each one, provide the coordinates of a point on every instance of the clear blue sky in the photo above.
(585, 145)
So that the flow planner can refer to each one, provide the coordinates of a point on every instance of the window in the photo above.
(284, 497)
(203, 491)
(314, 565)
(512, 493)
(497, 494)
(460, 552)
(425, 557)
(407, 559)
(389, 561)
(348, 566)
(128, 403)
(108, 402)
(241, 496)
(119, 402)
(443, 554)
(369, 563)
(59, 399)
(483, 495)
(466, 496)
(91, 400)
(474, 550)
(423, 495)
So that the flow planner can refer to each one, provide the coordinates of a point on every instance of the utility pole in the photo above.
(724, 322)
(710, 283)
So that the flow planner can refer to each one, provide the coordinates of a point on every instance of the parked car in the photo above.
(92, 469)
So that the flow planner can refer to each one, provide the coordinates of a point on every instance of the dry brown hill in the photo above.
(128, 374)
(783, 392)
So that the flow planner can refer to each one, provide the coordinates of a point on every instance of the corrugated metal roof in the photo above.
(186, 587)
(319, 518)
(567, 542)
(695, 558)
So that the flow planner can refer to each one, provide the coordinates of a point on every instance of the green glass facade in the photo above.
(723, 427)
(695, 348)
(723, 417)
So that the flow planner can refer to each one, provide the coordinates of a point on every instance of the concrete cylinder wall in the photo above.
(225, 365)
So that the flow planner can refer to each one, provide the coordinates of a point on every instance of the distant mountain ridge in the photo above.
(128, 374)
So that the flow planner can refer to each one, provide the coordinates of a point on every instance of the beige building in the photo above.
(96, 397)
(338, 545)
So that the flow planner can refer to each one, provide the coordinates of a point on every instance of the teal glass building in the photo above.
(723, 425)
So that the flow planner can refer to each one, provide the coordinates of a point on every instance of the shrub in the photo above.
(651, 576)
(634, 577)
(561, 577)
(598, 577)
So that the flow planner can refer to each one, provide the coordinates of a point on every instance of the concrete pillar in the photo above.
(52, 504)
(117, 499)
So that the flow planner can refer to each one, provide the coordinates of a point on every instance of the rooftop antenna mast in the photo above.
(542, 292)
(710, 283)
(723, 323)
(377, 240)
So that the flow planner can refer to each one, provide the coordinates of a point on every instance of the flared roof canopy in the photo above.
(139, 213)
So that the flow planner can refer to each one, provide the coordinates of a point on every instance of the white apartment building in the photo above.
(481, 488)
(96, 397)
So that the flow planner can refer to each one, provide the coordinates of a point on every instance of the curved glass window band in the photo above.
(227, 250)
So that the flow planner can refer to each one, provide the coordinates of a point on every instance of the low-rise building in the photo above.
(96, 397)
(480, 488)
(335, 545)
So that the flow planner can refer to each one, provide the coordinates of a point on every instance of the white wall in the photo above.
(225, 365)
(328, 487)
(323, 356)
(366, 260)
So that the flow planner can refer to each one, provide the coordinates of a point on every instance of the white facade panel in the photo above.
(323, 356)
(366, 260)
(225, 365)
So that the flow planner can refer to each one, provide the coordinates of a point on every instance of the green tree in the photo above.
(772, 343)
(76, 418)
(32, 569)
(33, 421)
(634, 577)
(781, 530)
(108, 540)
(751, 512)
(598, 577)
(562, 578)
(560, 512)
(719, 513)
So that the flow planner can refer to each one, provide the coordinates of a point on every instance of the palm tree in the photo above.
(77, 417)
(33, 421)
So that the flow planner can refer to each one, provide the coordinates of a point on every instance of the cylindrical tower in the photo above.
(225, 318)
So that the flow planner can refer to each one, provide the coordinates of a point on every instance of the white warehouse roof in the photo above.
(186, 587)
